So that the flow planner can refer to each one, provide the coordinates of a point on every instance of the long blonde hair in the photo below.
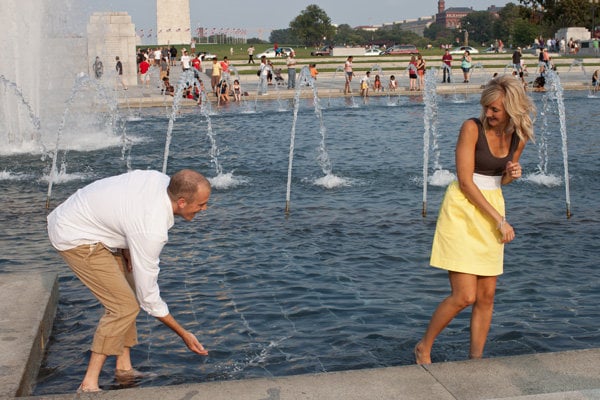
(517, 103)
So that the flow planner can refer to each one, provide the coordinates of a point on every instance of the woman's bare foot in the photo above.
(82, 389)
(421, 357)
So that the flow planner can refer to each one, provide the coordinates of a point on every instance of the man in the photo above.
(144, 74)
(119, 68)
(251, 54)
(197, 63)
(447, 65)
(185, 60)
(225, 68)
(291, 65)
(111, 234)
(98, 68)
(516, 60)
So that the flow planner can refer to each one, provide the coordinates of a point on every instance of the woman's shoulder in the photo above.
(472, 125)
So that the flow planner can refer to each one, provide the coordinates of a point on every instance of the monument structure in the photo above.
(173, 22)
(112, 34)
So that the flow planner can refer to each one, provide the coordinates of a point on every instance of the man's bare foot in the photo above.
(421, 358)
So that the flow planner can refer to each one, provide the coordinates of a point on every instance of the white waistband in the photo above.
(486, 182)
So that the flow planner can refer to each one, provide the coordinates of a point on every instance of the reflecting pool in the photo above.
(342, 281)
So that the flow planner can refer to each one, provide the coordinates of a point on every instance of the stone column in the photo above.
(112, 34)
(173, 22)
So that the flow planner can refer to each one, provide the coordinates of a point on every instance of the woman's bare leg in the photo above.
(481, 317)
(464, 291)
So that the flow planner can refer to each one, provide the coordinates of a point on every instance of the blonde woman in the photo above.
(472, 227)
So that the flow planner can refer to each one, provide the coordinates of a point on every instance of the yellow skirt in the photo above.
(466, 240)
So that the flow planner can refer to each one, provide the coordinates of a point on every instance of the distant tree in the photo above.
(312, 27)
(396, 35)
(570, 13)
(514, 26)
(480, 25)
(553, 14)
(347, 36)
(439, 34)
(282, 36)
(524, 33)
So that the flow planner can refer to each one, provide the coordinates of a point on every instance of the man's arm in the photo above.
(188, 338)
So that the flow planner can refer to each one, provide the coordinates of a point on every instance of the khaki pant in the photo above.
(106, 275)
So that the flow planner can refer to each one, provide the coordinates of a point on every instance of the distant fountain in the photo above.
(555, 87)
(15, 134)
(430, 129)
(578, 62)
(338, 69)
(440, 176)
(34, 99)
(329, 180)
(185, 78)
(477, 69)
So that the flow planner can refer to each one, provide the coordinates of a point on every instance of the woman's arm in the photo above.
(465, 167)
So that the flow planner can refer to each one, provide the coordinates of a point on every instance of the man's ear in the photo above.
(181, 202)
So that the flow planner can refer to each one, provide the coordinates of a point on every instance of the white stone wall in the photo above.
(577, 33)
(112, 34)
(173, 22)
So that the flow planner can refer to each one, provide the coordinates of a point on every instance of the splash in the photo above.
(63, 177)
(441, 177)
(548, 180)
(12, 176)
(226, 181)
(331, 181)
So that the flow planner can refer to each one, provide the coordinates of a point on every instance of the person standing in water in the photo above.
(472, 227)
(111, 233)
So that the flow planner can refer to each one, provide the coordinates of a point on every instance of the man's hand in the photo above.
(127, 256)
(188, 338)
(193, 344)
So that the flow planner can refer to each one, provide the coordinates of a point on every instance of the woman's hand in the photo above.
(513, 170)
(507, 231)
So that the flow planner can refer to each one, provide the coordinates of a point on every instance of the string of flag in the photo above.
(200, 32)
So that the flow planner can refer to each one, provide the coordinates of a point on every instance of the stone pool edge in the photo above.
(28, 304)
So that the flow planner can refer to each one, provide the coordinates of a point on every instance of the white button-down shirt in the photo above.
(130, 211)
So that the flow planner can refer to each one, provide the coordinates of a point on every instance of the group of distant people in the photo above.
(162, 59)
(98, 69)
(267, 71)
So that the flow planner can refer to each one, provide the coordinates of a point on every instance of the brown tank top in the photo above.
(485, 162)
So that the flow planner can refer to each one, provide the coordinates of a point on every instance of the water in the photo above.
(340, 283)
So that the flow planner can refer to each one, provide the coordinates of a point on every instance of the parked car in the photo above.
(402, 49)
(270, 53)
(462, 49)
(206, 56)
(324, 51)
(533, 49)
(492, 50)
(374, 52)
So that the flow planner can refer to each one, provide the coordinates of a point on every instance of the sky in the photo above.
(259, 21)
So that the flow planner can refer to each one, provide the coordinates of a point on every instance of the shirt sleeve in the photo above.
(145, 256)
